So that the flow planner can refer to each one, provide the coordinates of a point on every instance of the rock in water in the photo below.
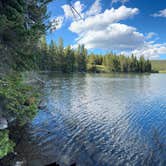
(3, 123)
(42, 105)
(19, 163)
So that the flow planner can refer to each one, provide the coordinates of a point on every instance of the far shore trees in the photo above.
(56, 57)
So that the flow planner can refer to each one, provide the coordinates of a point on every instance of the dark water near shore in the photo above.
(99, 120)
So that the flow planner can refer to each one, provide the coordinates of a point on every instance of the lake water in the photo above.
(99, 120)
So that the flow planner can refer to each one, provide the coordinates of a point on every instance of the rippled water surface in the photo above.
(99, 120)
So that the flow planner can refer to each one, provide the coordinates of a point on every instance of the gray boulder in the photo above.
(3, 123)
(42, 105)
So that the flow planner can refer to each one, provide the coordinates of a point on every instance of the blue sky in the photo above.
(122, 26)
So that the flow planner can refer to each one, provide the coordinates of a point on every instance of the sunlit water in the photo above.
(99, 120)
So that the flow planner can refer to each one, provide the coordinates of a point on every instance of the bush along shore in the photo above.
(22, 25)
(18, 105)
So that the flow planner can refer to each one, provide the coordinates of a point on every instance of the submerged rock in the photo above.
(42, 105)
(19, 163)
(13, 159)
(3, 123)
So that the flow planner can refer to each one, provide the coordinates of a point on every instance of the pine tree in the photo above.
(21, 26)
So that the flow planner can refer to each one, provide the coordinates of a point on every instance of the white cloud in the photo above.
(151, 51)
(161, 13)
(103, 30)
(68, 11)
(115, 37)
(150, 35)
(101, 21)
(94, 9)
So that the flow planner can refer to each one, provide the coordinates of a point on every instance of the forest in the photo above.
(23, 47)
(56, 57)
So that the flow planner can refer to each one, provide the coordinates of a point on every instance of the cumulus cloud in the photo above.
(150, 35)
(161, 13)
(103, 30)
(68, 11)
(94, 9)
(116, 36)
(151, 51)
(102, 20)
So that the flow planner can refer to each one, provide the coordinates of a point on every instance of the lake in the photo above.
(99, 120)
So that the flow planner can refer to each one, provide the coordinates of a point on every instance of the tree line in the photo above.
(120, 63)
(56, 57)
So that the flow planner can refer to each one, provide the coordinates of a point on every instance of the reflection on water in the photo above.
(99, 120)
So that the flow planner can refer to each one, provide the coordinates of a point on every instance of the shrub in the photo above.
(6, 145)
(17, 99)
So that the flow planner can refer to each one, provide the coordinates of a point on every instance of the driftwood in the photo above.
(36, 80)
(41, 81)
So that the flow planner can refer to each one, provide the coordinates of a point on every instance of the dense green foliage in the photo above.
(6, 145)
(19, 102)
(17, 99)
(54, 57)
(122, 63)
(22, 23)
(159, 65)
(21, 26)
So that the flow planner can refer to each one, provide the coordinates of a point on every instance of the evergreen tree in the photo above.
(57, 58)
(92, 62)
(81, 55)
(142, 64)
(116, 63)
(21, 26)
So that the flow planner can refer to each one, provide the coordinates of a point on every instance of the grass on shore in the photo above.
(159, 65)
(162, 71)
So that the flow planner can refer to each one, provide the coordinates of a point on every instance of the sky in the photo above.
(121, 26)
